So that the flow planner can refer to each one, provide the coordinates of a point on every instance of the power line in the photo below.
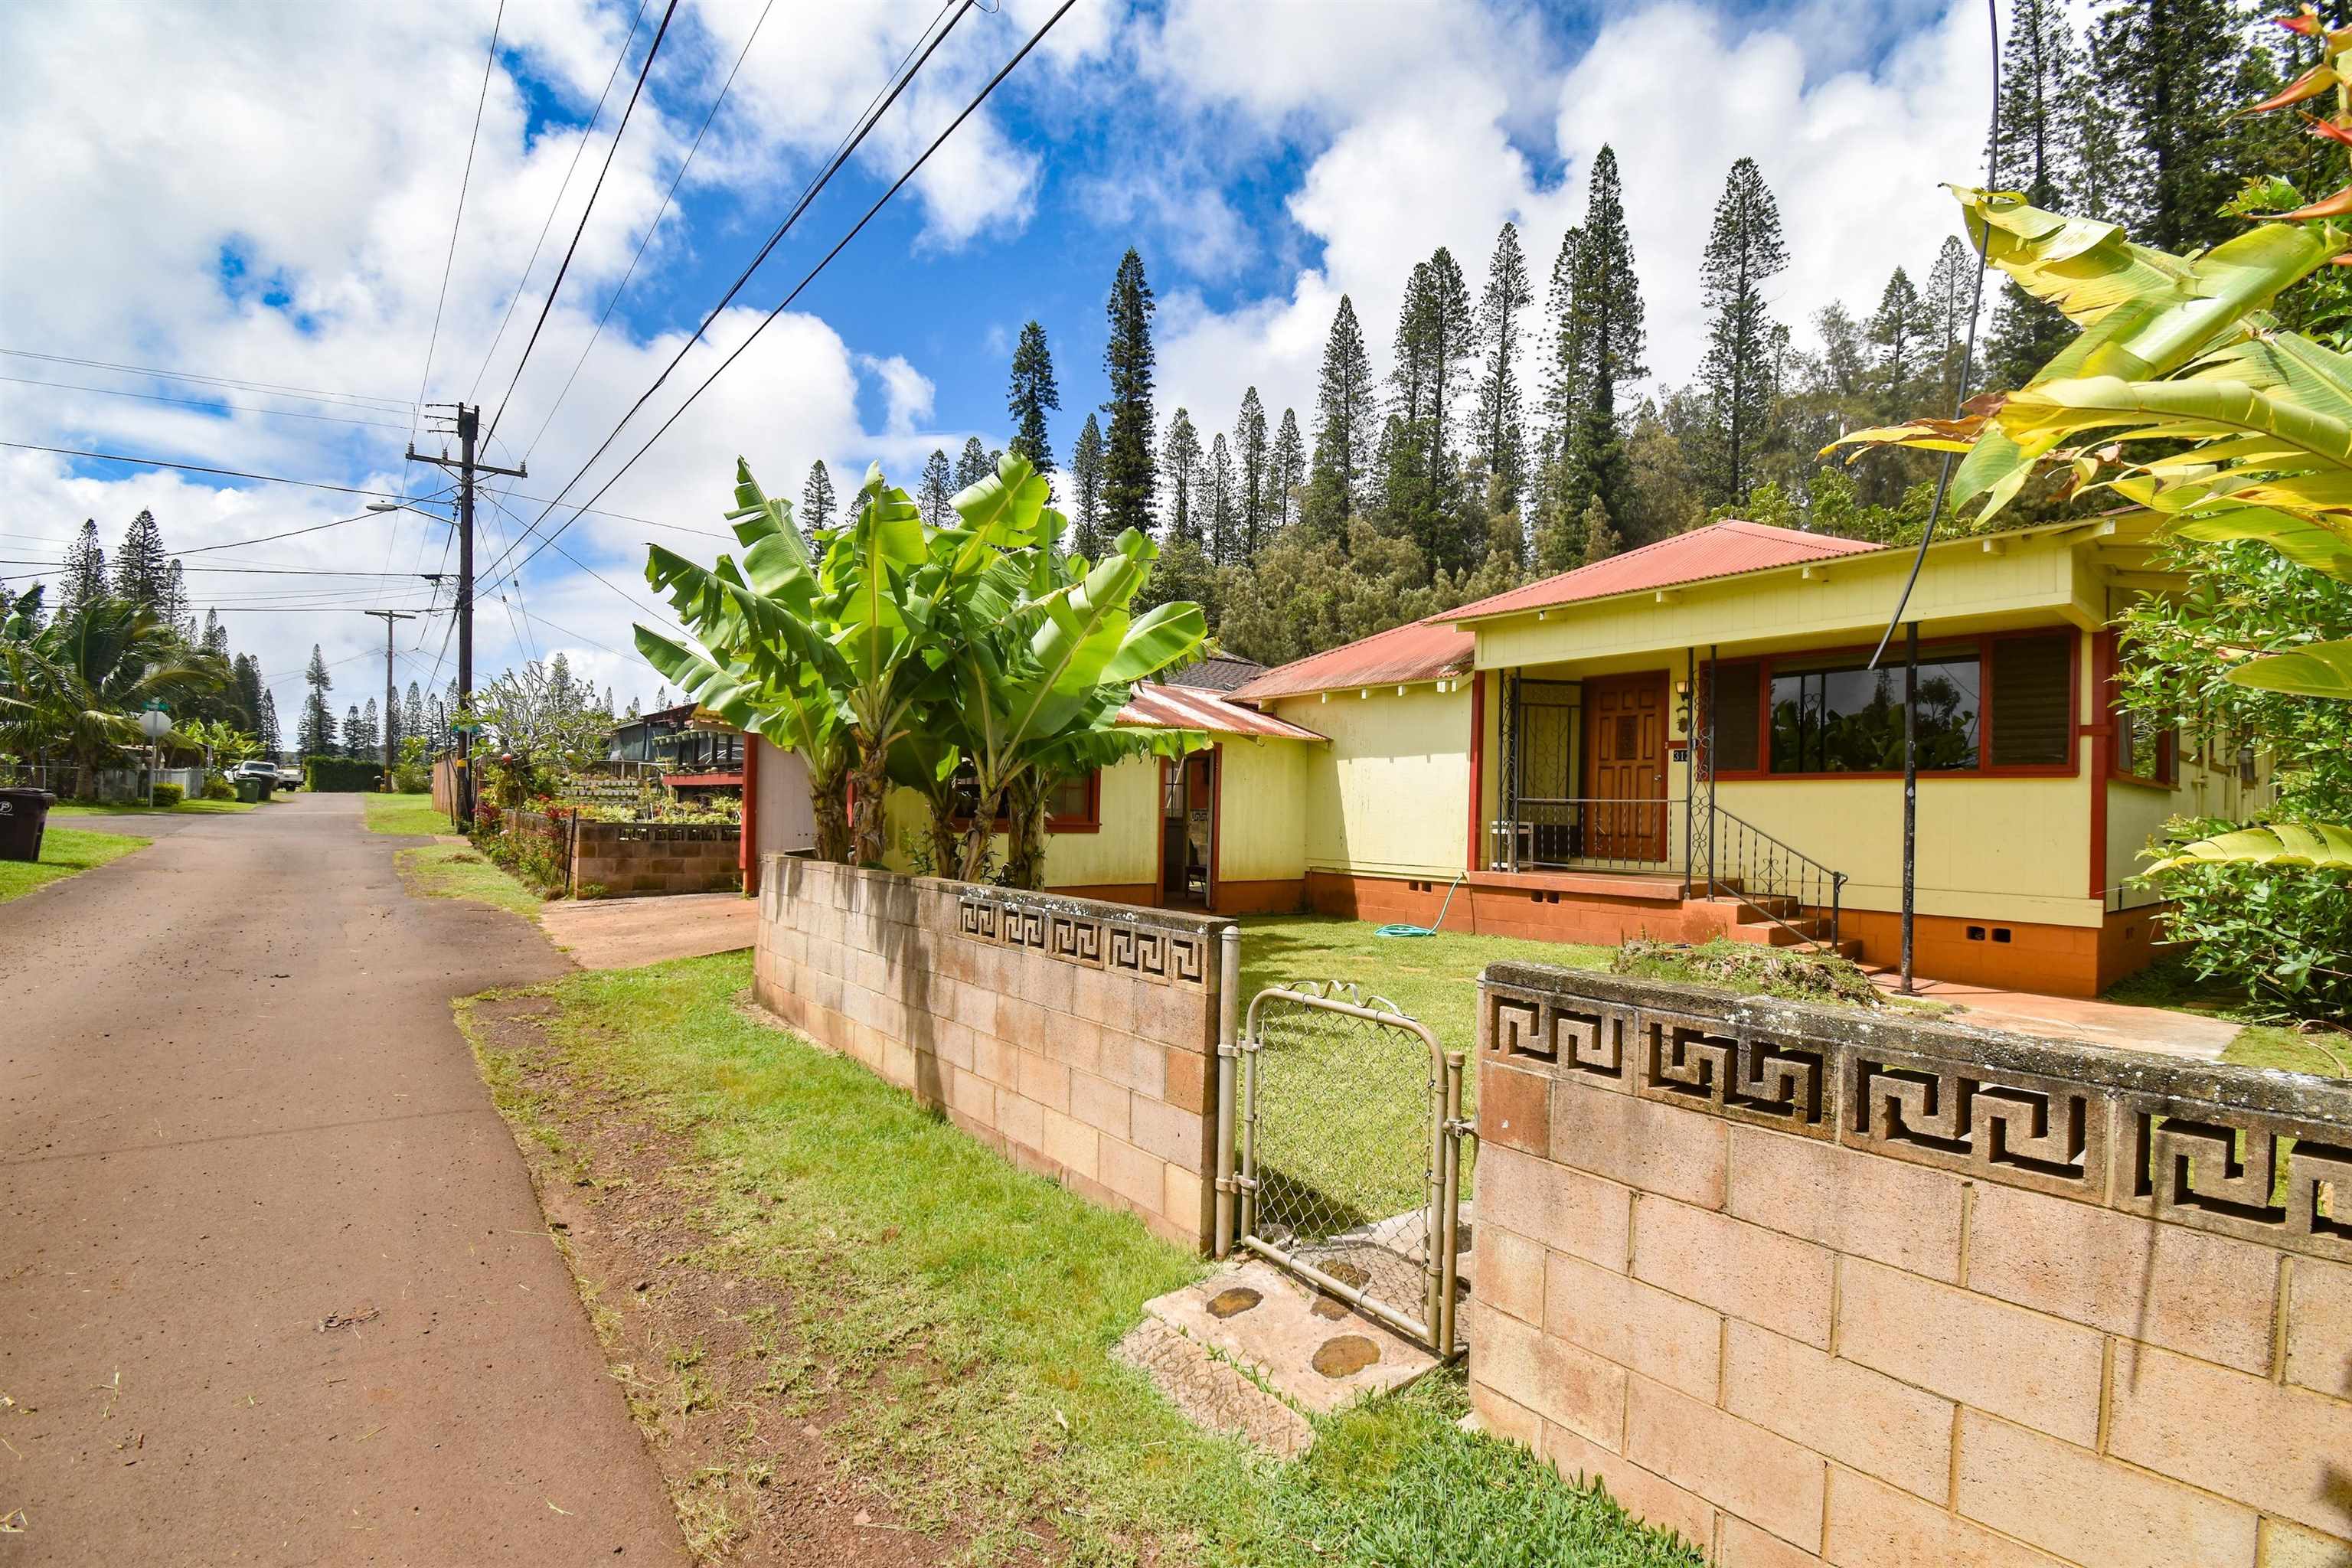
(969, 109)
(547, 305)
(841, 155)
(473, 392)
(662, 211)
(464, 180)
(392, 405)
(198, 402)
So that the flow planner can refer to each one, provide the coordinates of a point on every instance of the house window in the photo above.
(2033, 702)
(1738, 718)
(2143, 751)
(1075, 805)
(1837, 716)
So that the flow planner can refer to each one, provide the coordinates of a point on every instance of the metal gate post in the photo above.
(1435, 1228)
(1449, 1237)
(1228, 988)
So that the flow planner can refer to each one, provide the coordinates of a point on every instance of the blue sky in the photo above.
(265, 194)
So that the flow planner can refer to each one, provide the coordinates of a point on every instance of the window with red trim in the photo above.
(1075, 805)
(2001, 704)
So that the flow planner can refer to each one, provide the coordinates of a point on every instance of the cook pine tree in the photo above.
(1129, 467)
(1086, 490)
(2037, 149)
(1501, 442)
(818, 505)
(142, 570)
(1346, 429)
(973, 465)
(1179, 464)
(2169, 74)
(1285, 472)
(1420, 473)
(1951, 299)
(83, 577)
(932, 495)
(1250, 477)
(1745, 252)
(1220, 486)
(316, 738)
(1031, 393)
(1606, 302)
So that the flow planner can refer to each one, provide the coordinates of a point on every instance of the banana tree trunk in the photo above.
(946, 840)
(1025, 848)
(980, 836)
(831, 811)
(870, 786)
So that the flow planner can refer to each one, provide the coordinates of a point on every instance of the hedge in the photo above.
(341, 775)
(169, 794)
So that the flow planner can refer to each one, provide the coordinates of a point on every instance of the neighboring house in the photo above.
(1683, 742)
(1537, 745)
(694, 747)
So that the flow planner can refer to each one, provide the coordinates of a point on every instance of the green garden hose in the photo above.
(1424, 930)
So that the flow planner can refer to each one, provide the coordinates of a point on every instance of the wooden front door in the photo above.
(1625, 767)
(1187, 827)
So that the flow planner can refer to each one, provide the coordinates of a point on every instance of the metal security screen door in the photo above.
(1350, 1161)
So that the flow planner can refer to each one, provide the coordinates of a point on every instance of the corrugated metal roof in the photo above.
(1420, 650)
(1723, 549)
(1151, 705)
(1217, 673)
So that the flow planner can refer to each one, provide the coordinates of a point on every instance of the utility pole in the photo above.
(392, 619)
(469, 422)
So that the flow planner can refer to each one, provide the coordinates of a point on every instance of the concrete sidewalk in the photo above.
(622, 933)
(234, 1108)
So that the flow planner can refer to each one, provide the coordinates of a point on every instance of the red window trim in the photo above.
(1989, 711)
(1089, 823)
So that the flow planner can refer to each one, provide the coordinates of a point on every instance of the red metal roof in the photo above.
(1157, 706)
(1418, 650)
(1723, 549)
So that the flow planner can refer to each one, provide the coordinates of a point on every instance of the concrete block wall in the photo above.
(1077, 1038)
(1811, 1287)
(628, 860)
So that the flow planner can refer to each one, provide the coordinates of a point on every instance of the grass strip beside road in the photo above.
(186, 808)
(65, 852)
(410, 814)
(951, 1317)
(456, 871)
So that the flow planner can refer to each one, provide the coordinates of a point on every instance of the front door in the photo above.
(1626, 762)
(1187, 827)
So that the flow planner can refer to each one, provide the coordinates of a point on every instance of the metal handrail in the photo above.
(1791, 877)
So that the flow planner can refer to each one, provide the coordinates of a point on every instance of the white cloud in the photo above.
(907, 392)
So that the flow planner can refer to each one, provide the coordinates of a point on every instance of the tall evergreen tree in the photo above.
(83, 577)
(1501, 442)
(818, 503)
(1031, 393)
(1607, 303)
(1951, 289)
(349, 742)
(2168, 69)
(1128, 473)
(1180, 461)
(1420, 471)
(216, 635)
(1345, 429)
(973, 465)
(1286, 470)
(1744, 252)
(363, 737)
(173, 606)
(267, 729)
(412, 714)
(1086, 490)
(938, 487)
(2037, 149)
(1901, 331)
(1562, 388)
(1601, 539)
(317, 736)
(247, 671)
(1219, 487)
(142, 570)
(1249, 479)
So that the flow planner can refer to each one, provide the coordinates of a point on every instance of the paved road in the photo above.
(232, 1102)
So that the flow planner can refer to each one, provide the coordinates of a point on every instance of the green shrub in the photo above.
(2280, 933)
(169, 795)
(217, 787)
(341, 775)
(412, 778)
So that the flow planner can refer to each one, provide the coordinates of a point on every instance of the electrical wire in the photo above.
(473, 393)
(1960, 394)
(360, 399)
(850, 142)
(547, 305)
(662, 211)
(198, 402)
(464, 180)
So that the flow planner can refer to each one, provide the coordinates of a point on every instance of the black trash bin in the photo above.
(24, 813)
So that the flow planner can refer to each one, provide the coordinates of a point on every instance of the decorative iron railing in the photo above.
(1785, 886)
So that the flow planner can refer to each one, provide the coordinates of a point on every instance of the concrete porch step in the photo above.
(1254, 1351)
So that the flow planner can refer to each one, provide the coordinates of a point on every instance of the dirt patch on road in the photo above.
(733, 1408)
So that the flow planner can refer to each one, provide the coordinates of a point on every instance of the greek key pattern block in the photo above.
(2014, 1127)
(1165, 957)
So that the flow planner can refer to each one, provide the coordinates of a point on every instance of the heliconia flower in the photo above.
(2330, 129)
(2309, 85)
(2306, 23)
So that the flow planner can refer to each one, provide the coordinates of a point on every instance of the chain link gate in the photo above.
(1350, 1153)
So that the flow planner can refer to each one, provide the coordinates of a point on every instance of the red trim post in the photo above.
(1477, 761)
(747, 853)
(2102, 731)
(1216, 820)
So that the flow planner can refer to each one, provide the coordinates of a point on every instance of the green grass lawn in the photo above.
(412, 813)
(955, 1315)
(186, 808)
(455, 871)
(65, 852)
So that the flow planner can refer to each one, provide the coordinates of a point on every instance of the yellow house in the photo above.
(1686, 739)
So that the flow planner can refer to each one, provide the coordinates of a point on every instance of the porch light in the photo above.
(1400, 692)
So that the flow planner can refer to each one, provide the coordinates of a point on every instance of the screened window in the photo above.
(2033, 701)
(1738, 719)
(1836, 716)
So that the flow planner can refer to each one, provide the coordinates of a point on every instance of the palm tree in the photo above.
(72, 687)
